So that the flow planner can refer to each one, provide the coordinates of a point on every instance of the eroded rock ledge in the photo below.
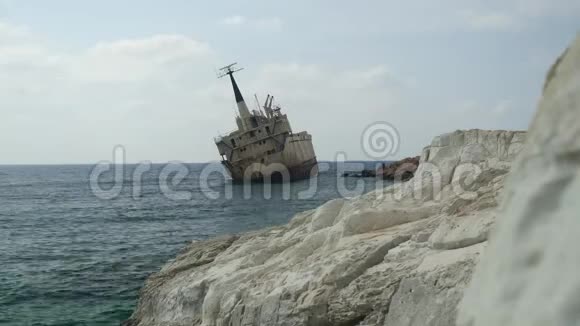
(399, 256)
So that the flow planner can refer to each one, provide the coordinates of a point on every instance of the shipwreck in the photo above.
(264, 147)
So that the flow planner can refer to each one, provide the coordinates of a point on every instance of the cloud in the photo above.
(18, 47)
(146, 93)
(548, 8)
(135, 59)
(265, 23)
(487, 112)
(12, 32)
(493, 21)
(503, 107)
(233, 20)
(336, 104)
(158, 96)
(157, 46)
(514, 15)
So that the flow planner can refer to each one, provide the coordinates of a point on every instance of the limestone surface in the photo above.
(395, 256)
(530, 273)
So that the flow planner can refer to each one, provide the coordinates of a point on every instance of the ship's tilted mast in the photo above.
(242, 107)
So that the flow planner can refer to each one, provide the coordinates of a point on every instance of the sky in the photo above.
(78, 78)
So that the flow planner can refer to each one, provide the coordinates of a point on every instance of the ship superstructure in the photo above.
(264, 146)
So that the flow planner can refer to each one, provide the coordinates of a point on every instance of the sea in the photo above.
(78, 241)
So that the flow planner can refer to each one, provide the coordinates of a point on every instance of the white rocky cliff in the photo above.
(402, 256)
(531, 273)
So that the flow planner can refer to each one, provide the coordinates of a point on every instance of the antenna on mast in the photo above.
(228, 70)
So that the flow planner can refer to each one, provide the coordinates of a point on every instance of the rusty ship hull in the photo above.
(296, 161)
